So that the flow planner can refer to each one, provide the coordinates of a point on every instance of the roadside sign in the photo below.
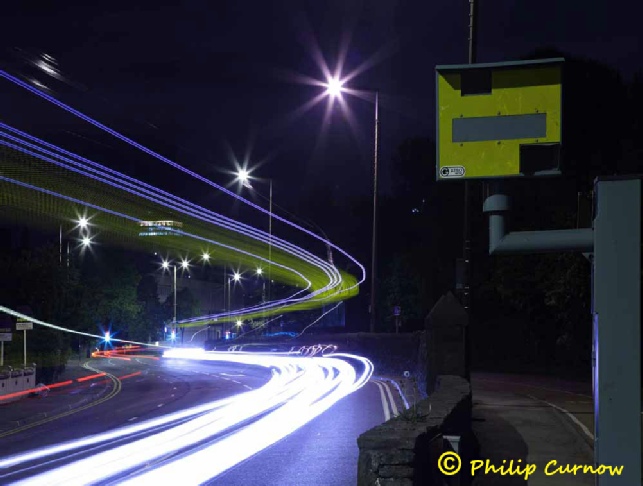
(24, 325)
(499, 119)
(5, 336)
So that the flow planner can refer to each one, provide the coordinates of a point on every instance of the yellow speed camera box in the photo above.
(499, 120)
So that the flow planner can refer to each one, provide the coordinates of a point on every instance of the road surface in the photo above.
(322, 450)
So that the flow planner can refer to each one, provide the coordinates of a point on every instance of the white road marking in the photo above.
(133, 418)
(571, 417)
(390, 397)
(387, 414)
(159, 405)
(237, 382)
(230, 374)
(248, 387)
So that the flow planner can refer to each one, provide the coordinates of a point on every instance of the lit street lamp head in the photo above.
(206, 257)
(243, 176)
(165, 264)
(86, 241)
(259, 271)
(236, 277)
(334, 87)
(83, 222)
(239, 323)
(185, 264)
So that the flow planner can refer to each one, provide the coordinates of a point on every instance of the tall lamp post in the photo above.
(166, 266)
(235, 277)
(334, 88)
(244, 177)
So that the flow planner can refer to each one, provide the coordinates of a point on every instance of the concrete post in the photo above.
(616, 309)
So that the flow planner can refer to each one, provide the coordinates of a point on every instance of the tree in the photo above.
(153, 315)
(187, 305)
(35, 278)
(109, 297)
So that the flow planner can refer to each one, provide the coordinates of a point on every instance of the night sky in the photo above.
(208, 82)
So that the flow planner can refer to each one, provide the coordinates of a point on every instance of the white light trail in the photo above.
(300, 390)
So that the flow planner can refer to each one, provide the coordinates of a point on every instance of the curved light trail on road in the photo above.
(195, 445)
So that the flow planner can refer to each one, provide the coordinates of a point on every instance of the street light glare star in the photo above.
(185, 264)
(83, 222)
(206, 256)
(259, 271)
(236, 276)
(243, 175)
(86, 241)
(165, 264)
(334, 87)
(239, 323)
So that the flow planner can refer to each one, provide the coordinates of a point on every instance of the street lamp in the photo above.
(82, 224)
(235, 277)
(166, 265)
(244, 177)
(334, 89)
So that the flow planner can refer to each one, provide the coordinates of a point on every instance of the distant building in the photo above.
(160, 228)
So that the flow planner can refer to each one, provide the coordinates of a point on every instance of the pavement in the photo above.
(76, 387)
(531, 421)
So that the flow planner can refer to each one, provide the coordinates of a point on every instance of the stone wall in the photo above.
(15, 381)
(404, 450)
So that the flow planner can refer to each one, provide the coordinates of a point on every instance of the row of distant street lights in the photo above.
(185, 265)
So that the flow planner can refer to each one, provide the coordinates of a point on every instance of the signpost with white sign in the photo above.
(23, 324)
